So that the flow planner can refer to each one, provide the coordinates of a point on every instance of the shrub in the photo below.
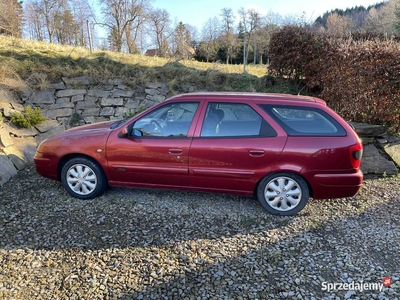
(357, 75)
(28, 118)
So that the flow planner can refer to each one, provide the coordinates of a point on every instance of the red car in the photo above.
(281, 148)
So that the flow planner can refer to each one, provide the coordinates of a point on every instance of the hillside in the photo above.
(22, 59)
(357, 14)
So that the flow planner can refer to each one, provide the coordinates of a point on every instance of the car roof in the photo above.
(267, 97)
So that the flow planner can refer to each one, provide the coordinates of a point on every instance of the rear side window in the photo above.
(234, 120)
(304, 121)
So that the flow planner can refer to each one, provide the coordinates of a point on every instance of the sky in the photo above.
(197, 12)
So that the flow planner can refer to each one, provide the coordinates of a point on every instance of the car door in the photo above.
(156, 150)
(233, 149)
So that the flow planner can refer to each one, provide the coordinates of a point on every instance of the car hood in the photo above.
(90, 130)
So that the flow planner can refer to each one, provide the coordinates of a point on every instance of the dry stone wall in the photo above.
(80, 100)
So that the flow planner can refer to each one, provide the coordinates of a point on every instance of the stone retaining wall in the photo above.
(81, 100)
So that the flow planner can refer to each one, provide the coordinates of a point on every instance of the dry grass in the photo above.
(28, 58)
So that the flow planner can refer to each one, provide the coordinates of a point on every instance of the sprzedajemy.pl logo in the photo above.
(356, 286)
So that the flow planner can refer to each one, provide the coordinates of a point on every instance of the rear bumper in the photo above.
(336, 185)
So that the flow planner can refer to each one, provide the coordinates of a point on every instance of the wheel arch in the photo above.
(310, 189)
(67, 157)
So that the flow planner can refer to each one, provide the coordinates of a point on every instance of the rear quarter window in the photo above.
(304, 121)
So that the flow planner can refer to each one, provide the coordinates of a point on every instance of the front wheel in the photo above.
(83, 178)
(283, 194)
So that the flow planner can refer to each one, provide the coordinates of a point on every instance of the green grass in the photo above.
(25, 60)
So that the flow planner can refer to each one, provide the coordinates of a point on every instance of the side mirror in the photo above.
(124, 132)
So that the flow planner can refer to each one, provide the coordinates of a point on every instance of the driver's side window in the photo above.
(171, 120)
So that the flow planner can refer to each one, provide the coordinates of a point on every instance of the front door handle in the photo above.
(175, 151)
(256, 152)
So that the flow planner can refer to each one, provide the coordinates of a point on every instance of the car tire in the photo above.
(283, 194)
(83, 178)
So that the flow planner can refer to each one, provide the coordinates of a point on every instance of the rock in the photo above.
(16, 156)
(156, 98)
(70, 93)
(58, 86)
(107, 111)
(77, 98)
(154, 85)
(78, 81)
(111, 102)
(152, 92)
(122, 93)
(7, 97)
(121, 111)
(21, 132)
(4, 105)
(28, 147)
(42, 97)
(8, 112)
(393, 150)
(91, 112)
(58, 113)
(7, 169)
(56, 129)
(365, 130)
(132, 104)
(86, 104)
(64, 100)
(374, 163)
(47, 125)
(98, 93)
(5, 139)
(61, 105)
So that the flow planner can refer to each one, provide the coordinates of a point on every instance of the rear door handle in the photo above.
(175, 151)
(256, 152)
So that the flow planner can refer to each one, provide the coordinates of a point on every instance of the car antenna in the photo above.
(298, 94)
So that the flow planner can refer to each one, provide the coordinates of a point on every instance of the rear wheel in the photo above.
(283, 194)
(83, 178)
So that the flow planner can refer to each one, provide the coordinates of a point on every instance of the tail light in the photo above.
(356, 152)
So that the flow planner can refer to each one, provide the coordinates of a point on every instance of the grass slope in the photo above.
(25, 59)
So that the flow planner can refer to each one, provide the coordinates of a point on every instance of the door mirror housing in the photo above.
(124, 132)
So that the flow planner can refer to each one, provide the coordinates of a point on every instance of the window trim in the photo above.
(340, 131)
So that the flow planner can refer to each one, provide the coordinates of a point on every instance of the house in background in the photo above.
(152, 52)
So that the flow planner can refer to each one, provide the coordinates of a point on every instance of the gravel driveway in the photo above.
(151, 244)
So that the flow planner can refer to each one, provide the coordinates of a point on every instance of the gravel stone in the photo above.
(155, 244)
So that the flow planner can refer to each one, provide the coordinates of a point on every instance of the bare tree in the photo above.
(51, 12)
(11, 17)
(210, 34)
(159, 25)
(250, 21)
(66, 28)
(123, 18)
(230, 41)
(43, 17)
(397, 18)
(337, 25)
(82, 13)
